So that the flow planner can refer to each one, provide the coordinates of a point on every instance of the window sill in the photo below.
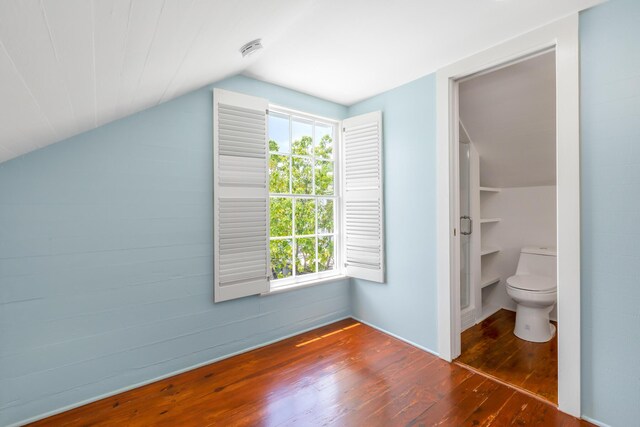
(301, 285)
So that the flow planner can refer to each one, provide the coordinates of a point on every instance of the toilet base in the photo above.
(532, 324)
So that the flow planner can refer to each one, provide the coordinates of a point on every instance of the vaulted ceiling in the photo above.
(510, 117)
(73, 65)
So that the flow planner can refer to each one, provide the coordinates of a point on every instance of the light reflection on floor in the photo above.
(320, 390)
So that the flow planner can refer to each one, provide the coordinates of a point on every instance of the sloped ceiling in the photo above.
(510, 117)
(70, 66)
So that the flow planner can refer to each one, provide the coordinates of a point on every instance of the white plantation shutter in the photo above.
(363, 201)
(241, 195)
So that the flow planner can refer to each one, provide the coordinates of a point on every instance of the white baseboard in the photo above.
(217, 359)
(171, 374)
(397, 336)
(592, 421)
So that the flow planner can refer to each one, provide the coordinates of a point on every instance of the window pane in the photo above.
(281, 259)
(324, 178)
(281, 217)
(324, 141)
(278, 174)
(305, 216)
(302, 176)
(326, 256)
(301, 164)
(278, 133)
(302, 137)
(325, 216)
(305, 255)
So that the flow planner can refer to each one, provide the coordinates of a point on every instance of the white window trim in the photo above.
(306, 284)
(287, 284)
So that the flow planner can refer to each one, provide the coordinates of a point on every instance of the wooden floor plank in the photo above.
(458, 402)
(345, 374)
(486, 411)
(491, 347)
(393, 398)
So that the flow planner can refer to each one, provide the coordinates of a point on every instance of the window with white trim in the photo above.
(291, 206)
(303, 195)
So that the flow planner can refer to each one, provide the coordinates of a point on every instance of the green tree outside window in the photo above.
(307, 171)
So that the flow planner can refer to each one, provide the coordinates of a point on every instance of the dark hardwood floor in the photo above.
(492, 348)
(345, 374)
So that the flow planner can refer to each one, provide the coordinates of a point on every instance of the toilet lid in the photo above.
(532, 283)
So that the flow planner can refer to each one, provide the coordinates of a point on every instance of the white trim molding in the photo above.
(595, 422)
(396, 336)
(562, 36)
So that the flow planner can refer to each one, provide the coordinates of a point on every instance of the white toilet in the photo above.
(534, 289)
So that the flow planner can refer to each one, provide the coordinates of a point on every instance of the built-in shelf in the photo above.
(490, 189)
(487, 251)
(488, 310)
(489, 281)
(483, 267)
(488, 220)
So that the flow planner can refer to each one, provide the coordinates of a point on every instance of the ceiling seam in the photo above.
(95, 74)
(124, 55)
(187, 51)
(146, 59)
(26, 86)
(55, 54)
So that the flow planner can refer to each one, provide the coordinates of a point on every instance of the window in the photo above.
(303, 196)
(280, 213)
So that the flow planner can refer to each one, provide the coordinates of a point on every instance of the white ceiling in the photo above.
(70, 66)
(510, 116)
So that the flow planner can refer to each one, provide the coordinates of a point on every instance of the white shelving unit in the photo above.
(488, 251)
(489, 220)
(487, 280)
(483, 251)
(487, 310)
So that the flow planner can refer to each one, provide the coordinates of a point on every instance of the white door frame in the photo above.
(563, 36)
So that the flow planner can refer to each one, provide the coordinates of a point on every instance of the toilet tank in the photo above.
(539, 261)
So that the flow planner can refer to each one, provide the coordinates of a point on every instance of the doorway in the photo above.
(562, 37)
(507, 191)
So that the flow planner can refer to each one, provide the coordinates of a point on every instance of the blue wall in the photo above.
(610, 101)
(106, 259)
(406, 304)
(105, 242)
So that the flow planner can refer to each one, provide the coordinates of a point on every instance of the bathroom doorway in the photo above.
(460, 275)
(507, 201)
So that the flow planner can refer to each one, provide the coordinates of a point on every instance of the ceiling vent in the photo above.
(251, 47)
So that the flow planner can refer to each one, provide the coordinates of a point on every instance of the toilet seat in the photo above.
(532, 283)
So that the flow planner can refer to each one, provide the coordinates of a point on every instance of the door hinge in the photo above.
(454, 232)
